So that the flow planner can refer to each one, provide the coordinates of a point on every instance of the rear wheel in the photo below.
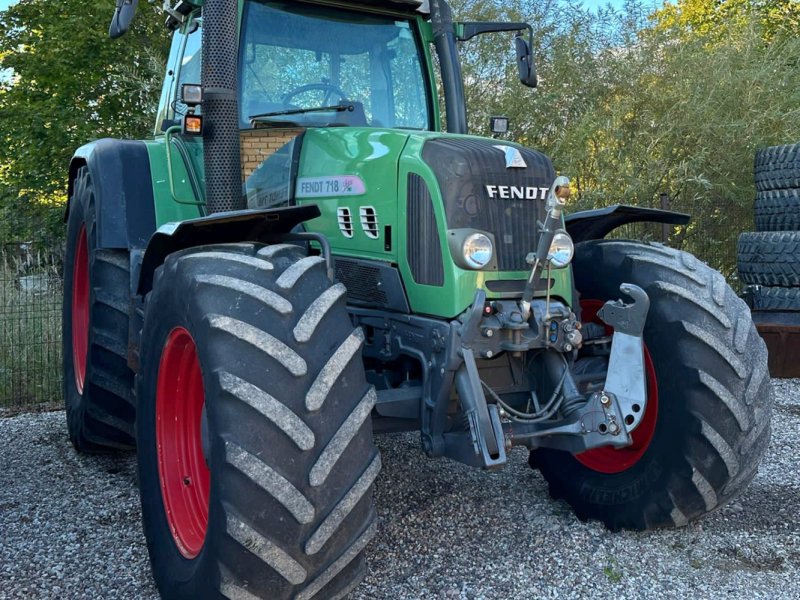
(256, 458)
(98, 385)
(707, 421)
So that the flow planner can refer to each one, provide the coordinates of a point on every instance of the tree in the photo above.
(711, 18)
(67, 84)
(631, 107)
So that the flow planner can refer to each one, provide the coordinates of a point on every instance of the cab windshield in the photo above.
(309, 66)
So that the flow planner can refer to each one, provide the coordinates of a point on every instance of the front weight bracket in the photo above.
(626, 379)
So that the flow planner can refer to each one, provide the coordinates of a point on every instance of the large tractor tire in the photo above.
(255, 449)
(707, 419)
(769, 258)
(777, 167)
(98, 385)
(776, 298)
(778, 210)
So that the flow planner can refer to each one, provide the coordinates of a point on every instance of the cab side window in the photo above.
(189, 68)
(183, 66)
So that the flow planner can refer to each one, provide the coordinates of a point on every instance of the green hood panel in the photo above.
(359, 179)
(344, 170)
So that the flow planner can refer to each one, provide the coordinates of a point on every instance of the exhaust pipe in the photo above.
(221, 150)
(445, 43)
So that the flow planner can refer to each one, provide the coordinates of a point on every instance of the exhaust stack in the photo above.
(221, 151)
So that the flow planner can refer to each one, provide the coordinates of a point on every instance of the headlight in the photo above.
(561, 250)
(477, 250)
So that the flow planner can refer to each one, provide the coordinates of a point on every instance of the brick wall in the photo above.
(258, 144)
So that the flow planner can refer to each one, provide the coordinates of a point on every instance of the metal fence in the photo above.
(30, 322)
(31, 290)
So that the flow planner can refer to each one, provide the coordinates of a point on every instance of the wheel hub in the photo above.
(80, 309)
(182, 468)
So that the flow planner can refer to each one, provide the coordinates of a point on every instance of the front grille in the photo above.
(464, 166)
(511, 286)
(362, 281)
(375, 284)
(423, 252)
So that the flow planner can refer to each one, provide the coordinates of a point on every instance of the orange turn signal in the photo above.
(193, 125)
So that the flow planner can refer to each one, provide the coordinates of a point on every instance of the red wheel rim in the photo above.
(80, 309)
(616, 460)
(182, 469)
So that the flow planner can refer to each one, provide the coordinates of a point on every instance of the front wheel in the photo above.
(256, 458)
(707, 421)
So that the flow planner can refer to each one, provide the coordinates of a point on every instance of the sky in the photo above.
(593, 4)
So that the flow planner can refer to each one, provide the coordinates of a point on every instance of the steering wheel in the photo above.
(328, 88)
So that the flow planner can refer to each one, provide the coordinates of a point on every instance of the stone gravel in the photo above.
(70, 528)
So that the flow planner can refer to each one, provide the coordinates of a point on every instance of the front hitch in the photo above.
(575, 423)
(608, 416)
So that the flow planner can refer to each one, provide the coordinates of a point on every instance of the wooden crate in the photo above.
(781, 332)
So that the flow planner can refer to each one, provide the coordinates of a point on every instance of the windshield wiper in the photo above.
(300, 111)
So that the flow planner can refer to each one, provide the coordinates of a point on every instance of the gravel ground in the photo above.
(69, 528)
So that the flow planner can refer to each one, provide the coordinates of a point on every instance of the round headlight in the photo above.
(477, 249)
(561, 250)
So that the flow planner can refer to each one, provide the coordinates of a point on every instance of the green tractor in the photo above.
(300, 257)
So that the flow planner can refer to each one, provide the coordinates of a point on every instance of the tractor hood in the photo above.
(494, 187)
(400, 196)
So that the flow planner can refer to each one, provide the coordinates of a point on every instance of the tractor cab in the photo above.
(313, 66)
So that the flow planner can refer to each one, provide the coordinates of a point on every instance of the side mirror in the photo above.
(123, 16)
(525, 66)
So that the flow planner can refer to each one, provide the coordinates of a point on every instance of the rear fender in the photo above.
(597, 224)
(120, 171)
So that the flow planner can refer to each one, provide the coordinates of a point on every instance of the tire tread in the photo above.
(275, 512)
(728, 428)
(777, 167)
(102, 417)
(770, 258)
(778, 210)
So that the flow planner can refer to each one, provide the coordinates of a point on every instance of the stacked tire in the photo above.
(769, 258)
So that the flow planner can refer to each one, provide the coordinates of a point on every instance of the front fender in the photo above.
(597, 224)
(220, 228)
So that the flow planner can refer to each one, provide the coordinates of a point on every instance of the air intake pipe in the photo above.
(221, 151)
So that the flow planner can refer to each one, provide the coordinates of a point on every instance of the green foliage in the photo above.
(67, 83)
(612, 570)
(631, 108)
(630, 105)
(712, 18)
